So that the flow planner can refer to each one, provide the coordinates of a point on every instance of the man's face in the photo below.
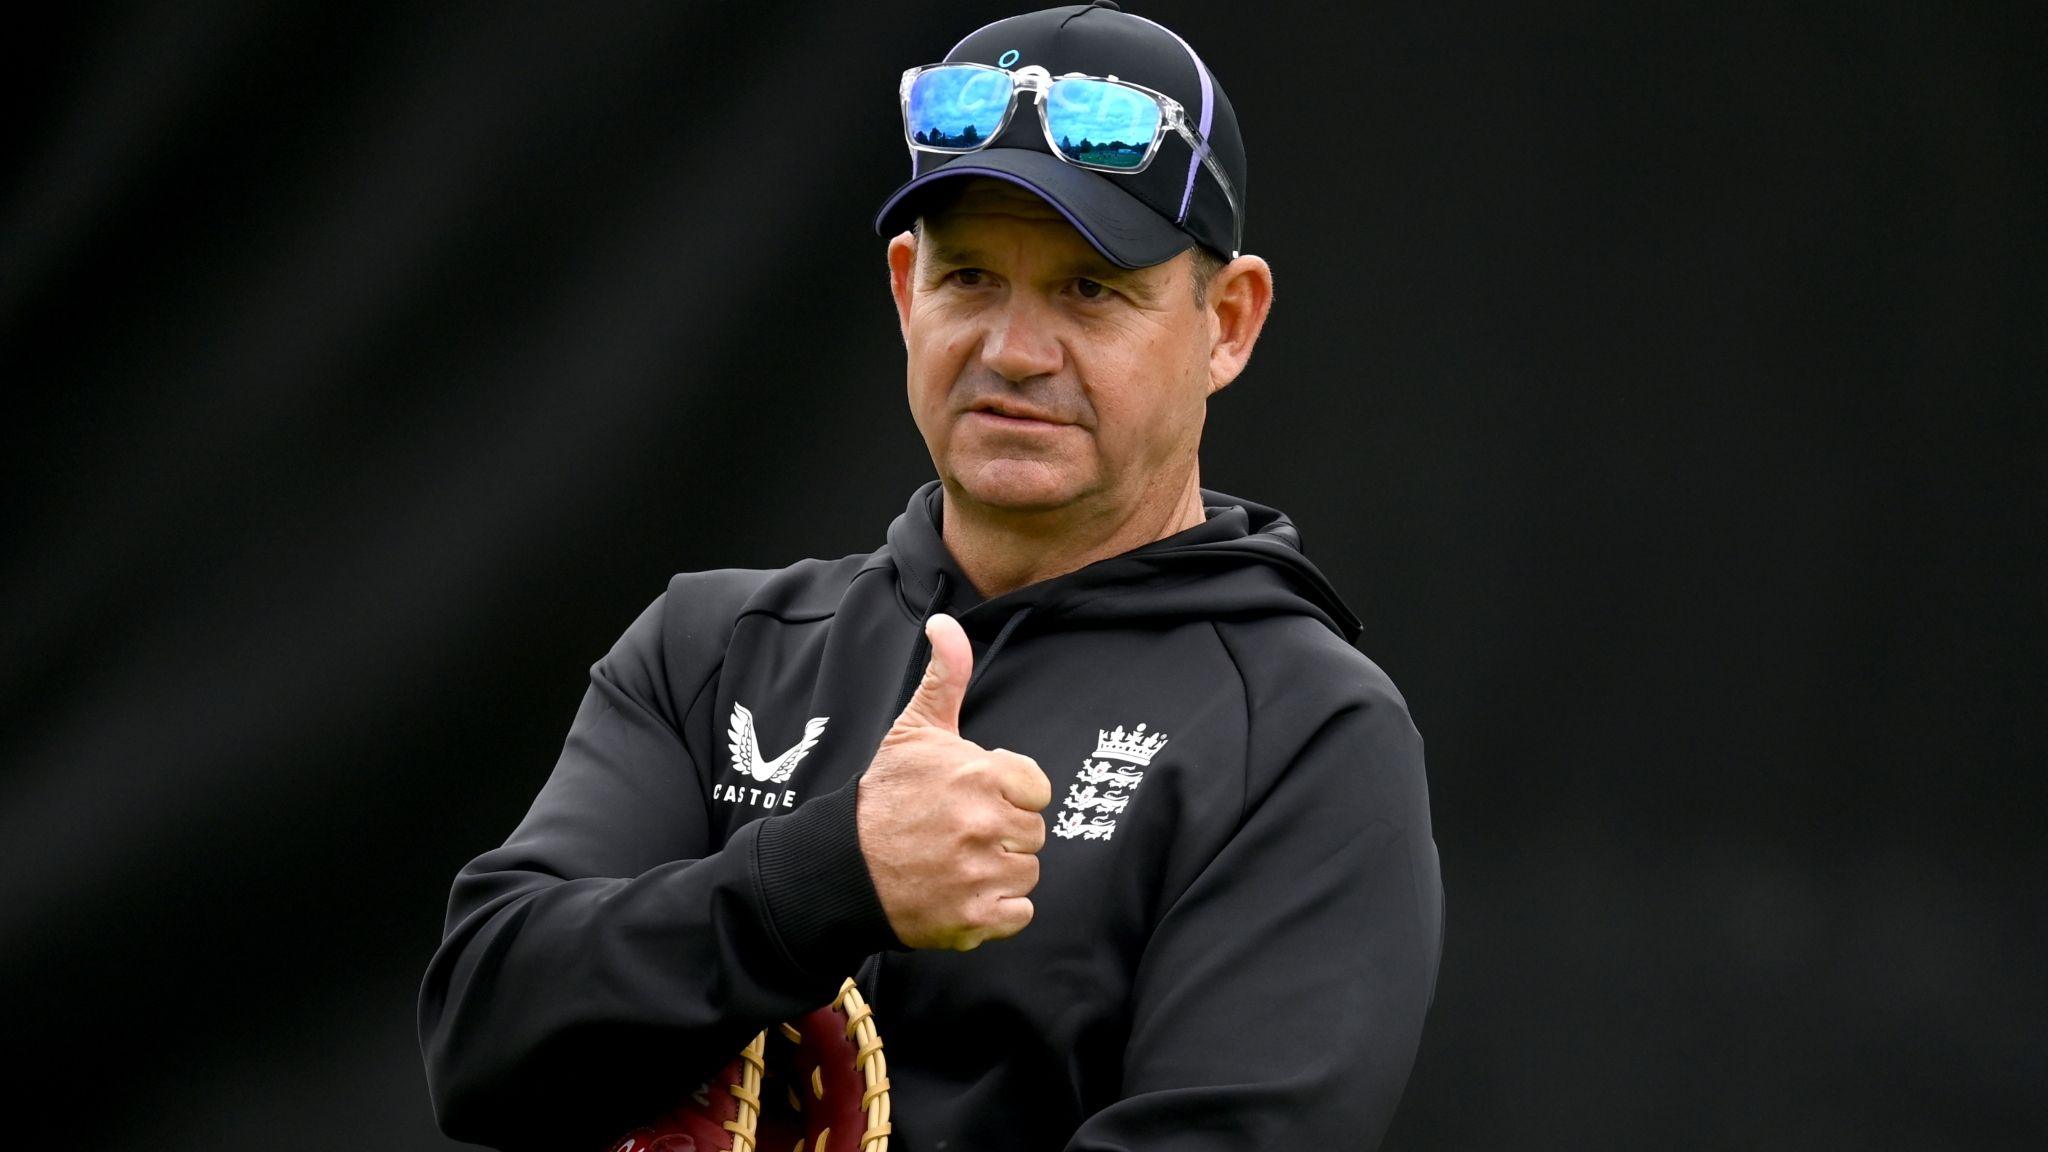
(1043, 377)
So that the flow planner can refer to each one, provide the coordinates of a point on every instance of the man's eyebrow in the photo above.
(1095, 269)
(950, 255)
(944, 253)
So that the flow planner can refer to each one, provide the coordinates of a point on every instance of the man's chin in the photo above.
(1016, 487)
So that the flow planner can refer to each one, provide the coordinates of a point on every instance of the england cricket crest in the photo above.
(1104, 784)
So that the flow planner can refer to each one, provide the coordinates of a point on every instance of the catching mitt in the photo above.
(817, 1084)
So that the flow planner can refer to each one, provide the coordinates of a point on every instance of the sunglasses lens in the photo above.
(956, 108)
(1101, 124)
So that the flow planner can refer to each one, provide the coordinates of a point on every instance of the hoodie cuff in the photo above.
(820, 898)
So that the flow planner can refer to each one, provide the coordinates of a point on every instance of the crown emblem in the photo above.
(1134, 746)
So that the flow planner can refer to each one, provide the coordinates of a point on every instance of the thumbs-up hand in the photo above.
(951, 830)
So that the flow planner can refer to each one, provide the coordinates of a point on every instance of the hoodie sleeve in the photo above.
(609, 957)
(1280, 1001)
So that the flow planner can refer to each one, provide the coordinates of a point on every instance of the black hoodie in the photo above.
(1239, 912)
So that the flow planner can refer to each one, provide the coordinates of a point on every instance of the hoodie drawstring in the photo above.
(1002, 636)
(920, 648)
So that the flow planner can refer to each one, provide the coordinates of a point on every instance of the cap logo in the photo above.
(1007, 59)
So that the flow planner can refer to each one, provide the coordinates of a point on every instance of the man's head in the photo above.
(1006, 308)
(1089, 278)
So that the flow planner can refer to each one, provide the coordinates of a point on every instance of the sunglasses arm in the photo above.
(1209, 161)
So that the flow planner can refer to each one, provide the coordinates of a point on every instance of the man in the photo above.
(1079, 771)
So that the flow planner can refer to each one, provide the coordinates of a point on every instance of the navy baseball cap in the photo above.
(1133, 219)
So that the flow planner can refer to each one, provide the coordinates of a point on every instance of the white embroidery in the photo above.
(746, 750)
(1101, 789)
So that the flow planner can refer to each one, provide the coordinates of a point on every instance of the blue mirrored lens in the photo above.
(957, 107)
(1101, 124)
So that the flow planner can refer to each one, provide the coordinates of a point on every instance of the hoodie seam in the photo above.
(811, 616)
(916, 578)
(1244, 689)
(885, 563)
(704, 772)
(772, 614)
(780, 618)
(718, 669)
(905, 574)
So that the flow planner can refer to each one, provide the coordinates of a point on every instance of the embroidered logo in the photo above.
(746, 760)
(1102, 787)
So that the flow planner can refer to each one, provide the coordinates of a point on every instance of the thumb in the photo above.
(936, 703)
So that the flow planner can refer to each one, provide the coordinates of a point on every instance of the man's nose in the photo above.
(1021, 342)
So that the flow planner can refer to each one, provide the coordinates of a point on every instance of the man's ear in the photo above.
(902, 263)
(1240, 297)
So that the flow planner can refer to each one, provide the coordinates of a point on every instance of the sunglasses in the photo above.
(1096, 122)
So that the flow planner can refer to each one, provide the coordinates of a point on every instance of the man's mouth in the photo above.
(1016, 414)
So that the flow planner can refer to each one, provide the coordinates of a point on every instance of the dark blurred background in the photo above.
(1661, 385)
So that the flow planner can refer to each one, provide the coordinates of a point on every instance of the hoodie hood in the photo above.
(1243, 561)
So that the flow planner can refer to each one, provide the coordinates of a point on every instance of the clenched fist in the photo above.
(951, 830)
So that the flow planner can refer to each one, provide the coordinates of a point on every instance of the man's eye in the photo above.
(971, 277)
(1091, 289)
